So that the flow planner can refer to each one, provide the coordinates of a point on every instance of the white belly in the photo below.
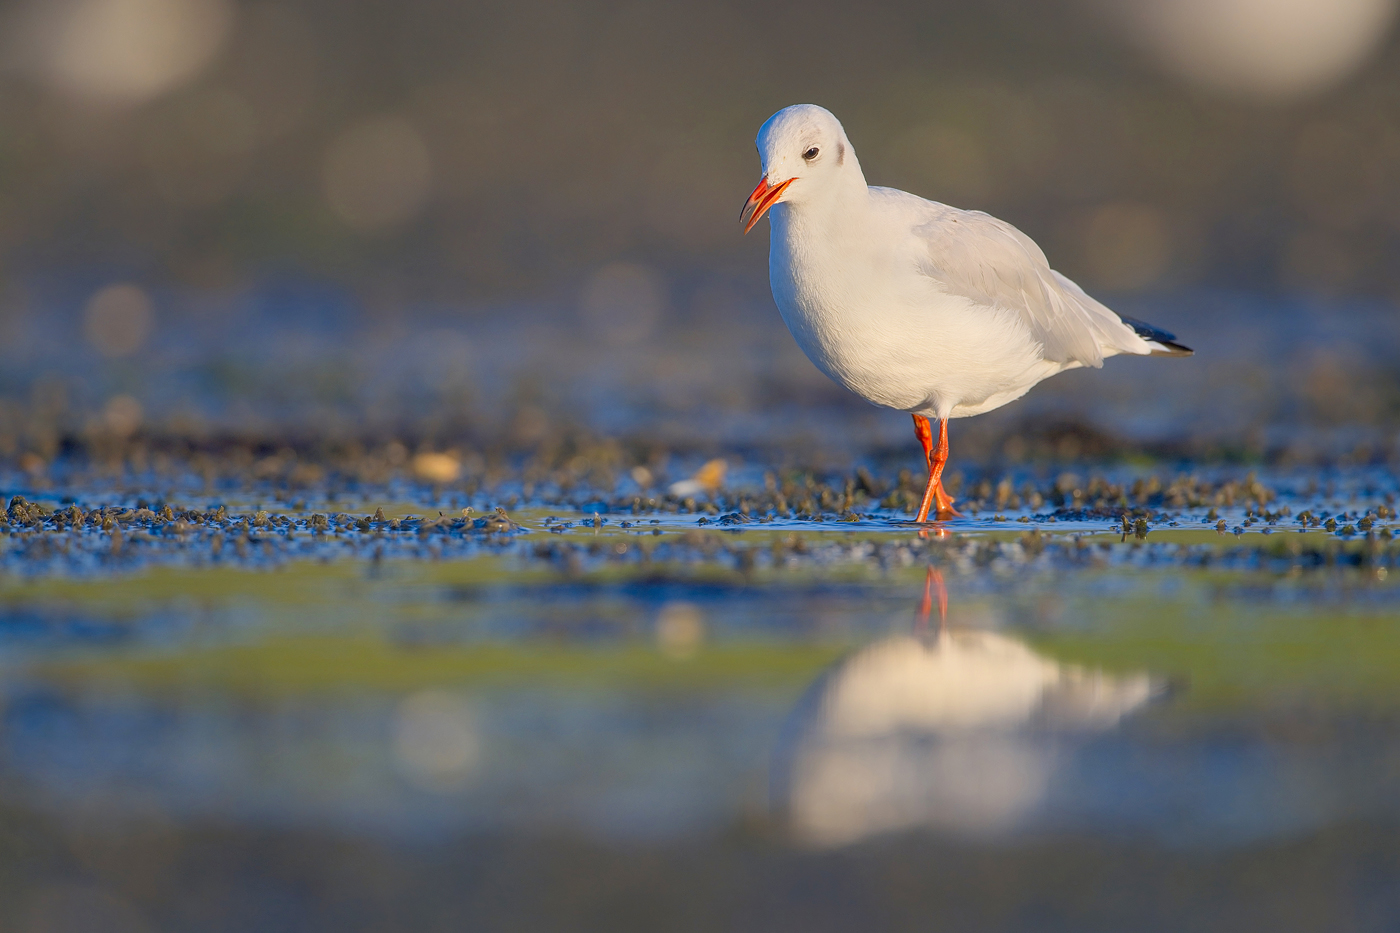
(919, 350)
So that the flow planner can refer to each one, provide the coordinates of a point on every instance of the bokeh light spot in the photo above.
(121, 51)
(122, 415)
(377, 174)
(118, 319)
(434, 467)
(1270, 50)
(680, 629)
(623, 302)
(436, 741)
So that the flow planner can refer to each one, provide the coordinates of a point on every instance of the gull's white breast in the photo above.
(852, 290)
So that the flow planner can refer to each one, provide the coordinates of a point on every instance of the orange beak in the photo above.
(763, 197)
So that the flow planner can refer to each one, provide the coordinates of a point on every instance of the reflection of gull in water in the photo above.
(960, 731)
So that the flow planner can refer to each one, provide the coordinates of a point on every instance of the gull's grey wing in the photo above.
(987, 260)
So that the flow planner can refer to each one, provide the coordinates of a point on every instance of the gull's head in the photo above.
(804, 150)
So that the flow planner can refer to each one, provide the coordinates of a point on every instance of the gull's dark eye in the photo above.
(811, 154)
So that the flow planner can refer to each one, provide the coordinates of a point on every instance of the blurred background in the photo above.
(459, 221)
(277, 276)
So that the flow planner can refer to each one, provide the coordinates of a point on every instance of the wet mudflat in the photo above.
(1155, 700)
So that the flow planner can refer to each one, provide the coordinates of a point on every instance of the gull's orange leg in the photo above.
(937, 457)
(933, 586)
(940, 460)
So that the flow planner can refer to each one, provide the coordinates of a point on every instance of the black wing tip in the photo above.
(1164, 339)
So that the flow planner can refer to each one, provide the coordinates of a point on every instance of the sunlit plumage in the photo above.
(915, 305)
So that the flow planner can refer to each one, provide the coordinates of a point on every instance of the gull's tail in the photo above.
(1162, 343)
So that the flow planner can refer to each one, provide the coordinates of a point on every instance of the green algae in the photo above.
(339, 624)
(290, 666)
(1229, 650)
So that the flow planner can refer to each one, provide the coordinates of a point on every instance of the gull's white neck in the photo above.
(822, 207)
(834, 277)
(818, 238)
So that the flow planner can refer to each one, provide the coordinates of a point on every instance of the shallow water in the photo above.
(621, 696)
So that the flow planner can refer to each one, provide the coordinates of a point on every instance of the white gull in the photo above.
(912, 304)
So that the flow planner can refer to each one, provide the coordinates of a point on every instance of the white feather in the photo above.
(912, 304)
